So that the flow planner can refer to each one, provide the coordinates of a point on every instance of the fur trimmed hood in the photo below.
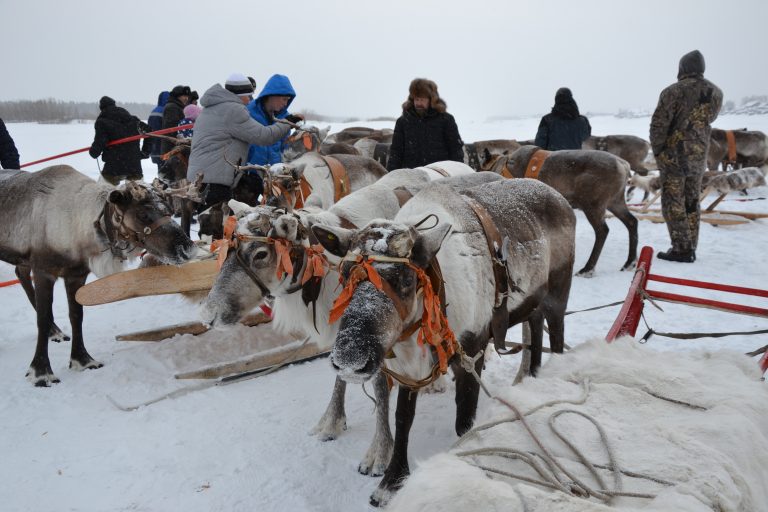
(424, 88)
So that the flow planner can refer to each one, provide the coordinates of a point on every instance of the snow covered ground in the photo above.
(245, 446)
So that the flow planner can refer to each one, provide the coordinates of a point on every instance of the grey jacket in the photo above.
(225, 129)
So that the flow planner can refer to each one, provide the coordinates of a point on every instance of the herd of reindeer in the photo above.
(404, 244)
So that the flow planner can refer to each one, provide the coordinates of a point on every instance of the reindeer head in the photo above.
(383, 273)
(250, 273)
(139, 216)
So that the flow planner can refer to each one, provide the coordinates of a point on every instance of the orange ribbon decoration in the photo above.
(284, 263)
(225, 243)
(363, 271)
(434, 329)
(316, 263)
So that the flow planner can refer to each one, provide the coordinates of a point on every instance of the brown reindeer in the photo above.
(476, 150)
(592, 181)
(746, 149)
(60, 223)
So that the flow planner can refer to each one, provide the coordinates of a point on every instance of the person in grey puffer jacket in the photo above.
(225, 129)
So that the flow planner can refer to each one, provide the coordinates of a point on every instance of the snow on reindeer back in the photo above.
(693, 419)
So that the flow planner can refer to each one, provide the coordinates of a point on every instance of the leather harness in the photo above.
(341, 186)
(536, 163)
(731, 139)
(500, 315)
(438, 170)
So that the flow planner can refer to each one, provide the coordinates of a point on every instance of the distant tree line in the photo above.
(58, 112)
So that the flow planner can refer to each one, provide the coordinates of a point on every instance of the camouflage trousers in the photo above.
(681, 210)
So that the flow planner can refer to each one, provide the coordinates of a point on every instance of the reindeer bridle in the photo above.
(432, 326)
(119, 233)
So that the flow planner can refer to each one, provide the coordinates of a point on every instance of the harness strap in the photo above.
(500, 167)
(731, 139)
(500, 314)
(439, 170)
(402, 195)
(536, 163)
(341, 186)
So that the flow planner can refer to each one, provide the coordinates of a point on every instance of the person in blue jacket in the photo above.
(155, 122)
(271, 104)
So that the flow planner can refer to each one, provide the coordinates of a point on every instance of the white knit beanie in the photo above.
(239, 84)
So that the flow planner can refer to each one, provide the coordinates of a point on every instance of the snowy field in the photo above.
(246, 447)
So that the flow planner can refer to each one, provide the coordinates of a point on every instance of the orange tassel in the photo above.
(283, 250)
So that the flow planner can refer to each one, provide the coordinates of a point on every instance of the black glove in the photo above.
(294, 118)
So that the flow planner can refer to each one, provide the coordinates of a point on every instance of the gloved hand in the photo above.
(294, 118)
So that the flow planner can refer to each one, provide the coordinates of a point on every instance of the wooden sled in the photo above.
(746, 215)
(263, 361)
(194, 328)
(714, 218)
(197, 276)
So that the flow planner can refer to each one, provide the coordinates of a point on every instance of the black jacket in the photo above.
(556, 132)
(9, 156)
(172, 114)
(419, 141)
(122, 159)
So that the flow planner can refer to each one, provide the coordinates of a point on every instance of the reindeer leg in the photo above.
(79, 358)
(40, 372)
(620, 210)
(536, 324)
(186, 215)
(25, 278)
(334, 420)
(596, 218)
(467, 387)
(380, 452)
(398, 470)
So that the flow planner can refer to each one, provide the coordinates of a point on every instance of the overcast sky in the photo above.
(356, 58)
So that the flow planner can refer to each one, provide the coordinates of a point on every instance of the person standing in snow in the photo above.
(425, 133)
(563, 127)
(121, 161)
(680, 130)
(9, 155)
(191, 112)
(155, 122)
(223, 132)
(271, 104)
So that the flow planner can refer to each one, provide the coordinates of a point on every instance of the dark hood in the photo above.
(565, 106)
(691, 64)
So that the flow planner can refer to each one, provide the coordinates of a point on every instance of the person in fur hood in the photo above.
(425, 133)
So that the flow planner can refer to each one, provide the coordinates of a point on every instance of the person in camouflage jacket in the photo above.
(680, 129)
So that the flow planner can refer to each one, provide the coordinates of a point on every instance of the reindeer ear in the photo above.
(238, 208)
(119, 197)
(428, 243)
(334, 240)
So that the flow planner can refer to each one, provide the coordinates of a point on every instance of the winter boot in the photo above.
(681, 257)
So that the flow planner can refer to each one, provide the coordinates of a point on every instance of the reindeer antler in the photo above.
(185, 190)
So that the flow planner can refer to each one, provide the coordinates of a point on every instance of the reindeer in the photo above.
(249, 275)
(474, 151)
(506, 252)
(636, 151)
(60, 223)
(750, 149)
(372, 148)
(592, 181)
(304, 140)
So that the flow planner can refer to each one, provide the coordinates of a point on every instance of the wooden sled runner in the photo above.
(190, 277)
(194, 328)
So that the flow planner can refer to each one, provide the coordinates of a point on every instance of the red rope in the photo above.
(9, 283)
(113, 143)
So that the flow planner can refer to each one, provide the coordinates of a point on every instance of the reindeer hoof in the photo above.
(328, 429)
(57, 336)
(42, 380)
(90, 364)
(585, 273)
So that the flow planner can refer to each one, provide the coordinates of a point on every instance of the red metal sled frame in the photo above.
(629, 317)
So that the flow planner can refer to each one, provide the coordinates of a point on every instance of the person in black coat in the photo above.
(425, 133)
(9, 155)
(564, 127)
(121, 161)
(173, 112)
